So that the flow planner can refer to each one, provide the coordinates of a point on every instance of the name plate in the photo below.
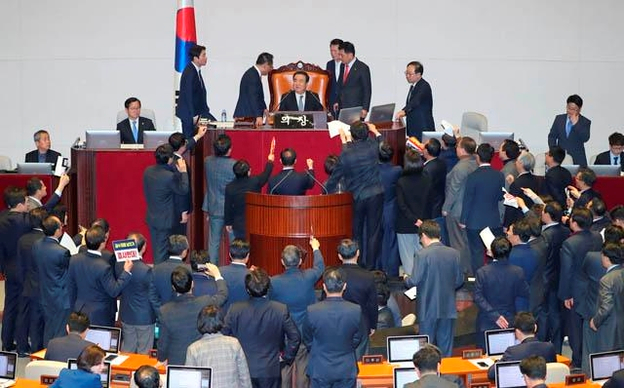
(472, 354)
(372, 359)
(294, 120)
(47, 379)
(575, 379)
(480, 385)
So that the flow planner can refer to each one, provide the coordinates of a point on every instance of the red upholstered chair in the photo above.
(280, 82)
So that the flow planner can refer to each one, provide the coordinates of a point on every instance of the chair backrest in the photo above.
(36, 368)
(408, 320)
(145, 112)
(556, 372)
(540, 164)
(567, 160)
(281, 82)
(5, 163)
(592, 159)
(472, 124)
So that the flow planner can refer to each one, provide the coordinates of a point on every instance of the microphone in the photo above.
(76, 143)
(316, 180)
(522, 146)
(282, 99)
(281, 180)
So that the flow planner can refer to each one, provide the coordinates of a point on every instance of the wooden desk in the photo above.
(25, 383)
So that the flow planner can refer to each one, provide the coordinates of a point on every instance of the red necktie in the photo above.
(346, 74)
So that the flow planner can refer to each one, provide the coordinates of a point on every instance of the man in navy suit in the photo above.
(289, 181)
(300, 99)
(333, 327)
(192, 98)
(62, 348)
(251, 95)
(234, 273)
(178, 248)
(388, 257)
(418, 109)
(43, 153)
(557, 178)
(480, 204)
(131, 129)
(571, 130)
(335, 68)
(525, 179)
(356, 86)
(615, 155)
(522, 255)
(525, 329)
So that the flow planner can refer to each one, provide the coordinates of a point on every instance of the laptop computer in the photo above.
(192, 376)
(495, 139)
(602, 365)
(606, 170)
(105, 376)
(401, 348)
(152, 139)
(382, 113)
(106, 139)
(349, 115)
(8, 366)
(508, 375)
(107, 338)
(402, 376)
(34, 168)
(497, 341)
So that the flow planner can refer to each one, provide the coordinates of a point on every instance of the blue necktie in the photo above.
(568, 127)
(135, 131)
(615, 160)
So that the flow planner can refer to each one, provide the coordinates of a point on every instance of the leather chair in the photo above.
(472, 124)
(281, 82)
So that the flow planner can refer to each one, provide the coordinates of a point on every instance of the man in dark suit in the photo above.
(183, 204)
(557, 178)
(525, 329)
(192, 103)
(526, 258)
(92, 284)
(62, 348)
(427, 361)
(388, 258)
(435, 168)
(37, 190)
(178, 249)
(418, 109)
(335, 69)
(482, 195)
(437, 274)
(572, 287)
(300, 99)
(615, 155)
(264, 328)
(178, 318)
(52, 261)
(161, 184)
(356, 86)
(583, 192)
(341, 341)
(43, 153)
(295, 288)
(139, 303)
(234, 274)
(289, 181)
(251, 95)
(616, 380)
(599, 213)
(131, 129)
(538, 302)
(571, 131)
(525, 179)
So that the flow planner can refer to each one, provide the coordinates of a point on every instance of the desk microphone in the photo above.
(281, 180)
(76, 143)
(316, 180)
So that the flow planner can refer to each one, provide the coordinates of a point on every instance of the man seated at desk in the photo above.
(300, 99)
(529, 345)
(616, 152)
(43, 153)
(131, 129)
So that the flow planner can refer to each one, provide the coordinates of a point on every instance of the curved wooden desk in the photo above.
(274, 221)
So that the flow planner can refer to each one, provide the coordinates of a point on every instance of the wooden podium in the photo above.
(274, 221)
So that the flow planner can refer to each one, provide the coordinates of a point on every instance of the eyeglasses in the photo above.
(410, 74)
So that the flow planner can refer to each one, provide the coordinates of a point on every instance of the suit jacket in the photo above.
(529, 347)
(162, 278)
(93, 288)
(574, 145)
(125, 130)
(290, 182)
(251, 95)
(437, 274)
(605, 159)
(609, 318)
(334, 83)
(54, 199)
(600, 224)
(538, 286)
(583, 200)
(234, 276)
(497, 287)
(161, 184)
(436, 171)
(389, 175)
(27, 264)
(52, 261)
(263, 327)
(413, 201)
(178, 323)
(219, 172)
(332, 351)
(419, 109)
(523, 256)
(616, 381)
(77, 378)
(192, 98)
(357, 89)
(431, 381)
(289, 102)
(51, 157)
(13, 225)
(554, 236)
(525, 180)
(362, 291)
(482, 194)
(591, 272)
(139, 299)
(455, 186)
(184, 202)
(62, 348)
(556, 180)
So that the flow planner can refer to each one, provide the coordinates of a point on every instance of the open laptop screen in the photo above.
(404, 376)
(402, 348)
(105, 376)
(382, 113)
(349, 115)
(497, 341)
(508, 375)
(8, 363)
(152, 139)
(108, 338)
(188, 376)
(604, 364)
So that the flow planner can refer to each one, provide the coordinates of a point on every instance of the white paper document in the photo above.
(487, 237)
(68, 244)
(411, 293)
(335, 126)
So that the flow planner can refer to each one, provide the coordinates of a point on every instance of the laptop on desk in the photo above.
(179, 376)
(8, 366)
(109, 339)
(152, 139)
(402, 376)
(108, 139)
(382, 113)
(349, 115)
(401, 349)
(602, 365)
(508, 375)
(34, 168)
(497, 341)
(105, 376)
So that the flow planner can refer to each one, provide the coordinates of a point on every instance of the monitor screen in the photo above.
(104, 376)
(404, 376)
(402, 348)
(382, 113)
(107, 139)
(604, 364)
(495, 139)
(108, 338)
(349, 115)
(606, 170)
(34, 168)
(152, 139)
(497, 341)
(426, 135)
(508, 375)
(8, 363)
(188, 377)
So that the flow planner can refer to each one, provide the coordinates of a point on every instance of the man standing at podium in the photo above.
(356, 86)
(419, 102)
(300, 99)
(335, 68)
(251, 95)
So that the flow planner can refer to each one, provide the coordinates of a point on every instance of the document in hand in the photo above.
(335, 127)
(487, 237)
